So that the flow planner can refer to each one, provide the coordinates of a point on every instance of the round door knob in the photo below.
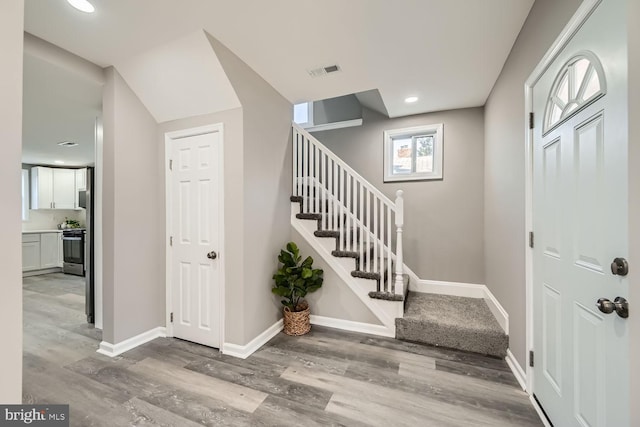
(212, 255)
(620, 267)
(605, 306)
(622, 307)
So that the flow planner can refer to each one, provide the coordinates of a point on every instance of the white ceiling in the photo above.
(185, 71)
(447, 52)
(58, 106)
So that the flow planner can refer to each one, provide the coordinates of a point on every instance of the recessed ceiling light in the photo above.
(67, 144)
(58, 162)
(82, 5)
(411, 99)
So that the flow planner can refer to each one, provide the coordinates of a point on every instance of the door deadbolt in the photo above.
(619, 305)
(620, 267)
(212, 255)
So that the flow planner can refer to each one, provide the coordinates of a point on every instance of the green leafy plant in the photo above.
(295, 278)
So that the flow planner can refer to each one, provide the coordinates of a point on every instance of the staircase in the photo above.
(358, 232)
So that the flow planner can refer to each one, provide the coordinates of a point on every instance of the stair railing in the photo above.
(351, 206)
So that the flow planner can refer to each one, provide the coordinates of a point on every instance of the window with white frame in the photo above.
(303, 114)
(25, 194)
(412, 154)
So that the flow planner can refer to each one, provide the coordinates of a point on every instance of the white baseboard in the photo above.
(350, 325)
(538, 409)
(458, 289)
(496, 308)
(113, 350)
(43, 271)
(469, 290)
(244, 351)
(517, 370)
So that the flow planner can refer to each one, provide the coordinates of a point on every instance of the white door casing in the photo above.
(195, 283)
(580, 220)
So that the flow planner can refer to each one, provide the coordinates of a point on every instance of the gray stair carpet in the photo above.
(352, 237)
(453, 322)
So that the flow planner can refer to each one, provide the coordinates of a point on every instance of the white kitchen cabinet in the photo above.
(53, 188)
(30, 252)
(81, 184)
(41, 251)
(50, 250)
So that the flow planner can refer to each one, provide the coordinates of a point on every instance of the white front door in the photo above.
(194, 208)
(581, 364)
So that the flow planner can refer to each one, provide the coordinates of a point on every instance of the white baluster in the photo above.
(316, 174)
(399, 282)
(294, 172)
(305, 186)
(337, 184)
(330, 190)
(360, 231)
(342, 201)
(368, 212)
(375, 235)
(389, 271)
(323, 182)
(299, 141)
(348, 219)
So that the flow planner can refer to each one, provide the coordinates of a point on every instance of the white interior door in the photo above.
(580, 224)
(195, 204)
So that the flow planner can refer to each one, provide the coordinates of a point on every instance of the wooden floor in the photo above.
(328, 377)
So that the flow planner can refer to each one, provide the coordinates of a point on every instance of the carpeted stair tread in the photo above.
(314, 216)
(354, 251)
(365, 275)
(455, 322)
(387, 296)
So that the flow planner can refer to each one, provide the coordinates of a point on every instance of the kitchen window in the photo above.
(412, 154)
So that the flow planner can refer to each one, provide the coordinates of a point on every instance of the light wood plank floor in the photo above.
(328, 377)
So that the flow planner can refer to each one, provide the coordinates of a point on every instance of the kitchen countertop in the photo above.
(40, 231)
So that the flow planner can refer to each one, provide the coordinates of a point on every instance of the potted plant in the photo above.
(293, 281)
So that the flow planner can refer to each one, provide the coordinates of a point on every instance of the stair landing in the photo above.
(453, 322)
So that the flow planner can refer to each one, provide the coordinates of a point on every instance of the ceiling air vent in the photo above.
(317, 72)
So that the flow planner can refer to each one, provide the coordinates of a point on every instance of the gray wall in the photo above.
(133, 230)
(504, 189)
(634, 196)
(232, 254)
(339, 109)
(11, 29)
(266, 163)
(443, 233)
(334, 299)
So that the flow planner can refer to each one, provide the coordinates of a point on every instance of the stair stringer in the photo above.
(385, 311)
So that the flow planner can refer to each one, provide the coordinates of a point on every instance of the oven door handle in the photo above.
(71, 238)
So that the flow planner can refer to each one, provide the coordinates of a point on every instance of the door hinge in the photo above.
(171, 317)
(170, 240)
(531, 120)
(531, 358)
(531, 239)
(170, 165)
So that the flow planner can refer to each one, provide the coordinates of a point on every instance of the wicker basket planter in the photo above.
(297, 322)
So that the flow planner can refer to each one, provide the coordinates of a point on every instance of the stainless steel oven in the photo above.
(73, 247)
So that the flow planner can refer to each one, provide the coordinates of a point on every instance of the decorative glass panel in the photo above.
(580, 82)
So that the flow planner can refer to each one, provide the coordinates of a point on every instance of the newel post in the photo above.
(399, 281)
